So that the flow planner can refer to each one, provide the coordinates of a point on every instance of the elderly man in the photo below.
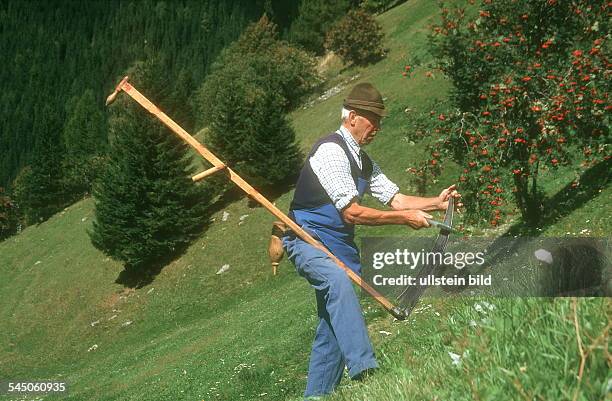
(326, 203)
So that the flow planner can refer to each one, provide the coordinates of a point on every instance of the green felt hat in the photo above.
(365, 96)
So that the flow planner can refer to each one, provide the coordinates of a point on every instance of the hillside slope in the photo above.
(192, 334)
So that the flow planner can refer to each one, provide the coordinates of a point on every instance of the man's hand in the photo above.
(417, 218)
(440, 202)
(446, 194)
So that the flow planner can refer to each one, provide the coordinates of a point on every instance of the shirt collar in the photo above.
(350, 141)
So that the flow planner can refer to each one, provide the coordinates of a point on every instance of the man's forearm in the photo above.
(405, 202)
(357, 214)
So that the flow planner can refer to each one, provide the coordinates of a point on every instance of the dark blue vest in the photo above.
(313, 209)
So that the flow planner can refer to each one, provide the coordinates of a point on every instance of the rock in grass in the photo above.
(244, 216)
(223, 269)
(455, 358)
(544, 256)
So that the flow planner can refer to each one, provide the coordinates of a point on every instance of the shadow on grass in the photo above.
(568, 199)
(562, 204)
(143, 276)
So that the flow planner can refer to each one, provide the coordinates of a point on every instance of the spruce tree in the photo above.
(43, 193)
(146, 206)
(244, 101)
(251, 132)
(84, 139)
(277, 64)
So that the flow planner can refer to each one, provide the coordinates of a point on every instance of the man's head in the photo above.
(362, 111)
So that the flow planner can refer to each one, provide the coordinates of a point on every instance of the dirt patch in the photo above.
(111, 301)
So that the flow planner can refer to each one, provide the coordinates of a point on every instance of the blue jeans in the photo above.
(341, 337)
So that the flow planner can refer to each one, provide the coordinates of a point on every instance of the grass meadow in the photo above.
(192, 334)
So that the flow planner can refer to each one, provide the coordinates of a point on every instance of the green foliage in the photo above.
(378, 6)
(56, 50)
(147, 207)
(315, 18)
(285, 69)
(245, 98)
(252, 133)
(531, 343)
(531, 93)
(357, 38)
(510, 347)
(41, 193)
(85, 142)
(84, 132)
(8, 215)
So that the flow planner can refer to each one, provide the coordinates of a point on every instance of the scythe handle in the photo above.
(125, 86)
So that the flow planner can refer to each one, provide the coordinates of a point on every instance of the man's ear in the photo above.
(352, 118)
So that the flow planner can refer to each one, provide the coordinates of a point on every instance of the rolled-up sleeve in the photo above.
(381, 187)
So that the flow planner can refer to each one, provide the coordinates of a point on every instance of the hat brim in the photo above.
(381, 112)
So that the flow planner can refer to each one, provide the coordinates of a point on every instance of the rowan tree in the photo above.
(531, 93)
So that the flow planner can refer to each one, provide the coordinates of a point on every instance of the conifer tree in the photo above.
(58, 49)
(245, 98)
(43, 193)
(251, 131)
(147, 207)
(282, 67)
(84, 139)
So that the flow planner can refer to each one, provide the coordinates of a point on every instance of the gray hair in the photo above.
(345, 113)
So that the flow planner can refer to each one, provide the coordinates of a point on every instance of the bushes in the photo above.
(244, 101)
(356, 38)
(285, 69)
(315, 18)
(531, 93)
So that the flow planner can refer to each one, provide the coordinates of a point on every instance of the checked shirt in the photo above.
(332, 168)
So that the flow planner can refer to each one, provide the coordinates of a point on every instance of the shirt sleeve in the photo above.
(381, 187)
(332, 168)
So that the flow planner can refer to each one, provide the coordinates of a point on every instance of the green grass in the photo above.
(245, 335)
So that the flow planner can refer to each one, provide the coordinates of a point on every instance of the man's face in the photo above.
(364, 126)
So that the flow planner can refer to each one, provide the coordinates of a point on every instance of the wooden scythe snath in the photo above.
(218, 165)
